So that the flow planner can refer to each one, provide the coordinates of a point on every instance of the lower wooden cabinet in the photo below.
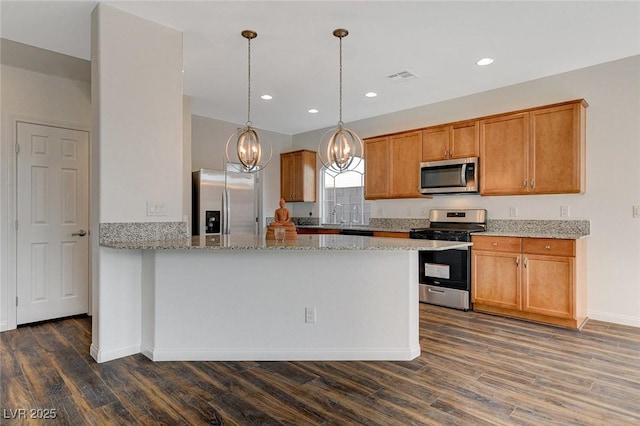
(315, 231)
(538, 279)
(390, 234)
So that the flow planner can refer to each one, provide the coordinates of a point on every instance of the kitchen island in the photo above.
(241, 297)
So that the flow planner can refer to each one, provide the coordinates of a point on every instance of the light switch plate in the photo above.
(636, 212)
(564, 211)
(156, 208)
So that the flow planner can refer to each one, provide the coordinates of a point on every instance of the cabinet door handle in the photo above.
(524, 184)
(525, 262)
(533, 183)
(518, 261)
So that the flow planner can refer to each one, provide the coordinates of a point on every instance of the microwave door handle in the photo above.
(463, 174)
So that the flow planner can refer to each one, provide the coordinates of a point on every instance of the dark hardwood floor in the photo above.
(474, 369)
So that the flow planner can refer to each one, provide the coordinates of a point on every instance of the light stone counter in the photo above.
(562, 229)
(304, 242)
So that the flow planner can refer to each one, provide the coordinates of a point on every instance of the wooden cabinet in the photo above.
(390, 234)
(458, 140)
(540, 151)
(537, 279)
(377, 168)
(405, 164)
(392, 165)
(315, 231)
(298, 176)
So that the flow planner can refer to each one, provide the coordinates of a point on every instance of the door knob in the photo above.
(80, 233)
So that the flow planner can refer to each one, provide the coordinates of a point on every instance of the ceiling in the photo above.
(295, 57)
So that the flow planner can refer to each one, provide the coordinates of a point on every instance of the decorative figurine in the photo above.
(282, 220)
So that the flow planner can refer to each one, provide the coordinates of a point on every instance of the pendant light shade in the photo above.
(250, 154)
(340, 149)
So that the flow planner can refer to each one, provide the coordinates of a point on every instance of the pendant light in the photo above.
(339, 147)
(250, 155)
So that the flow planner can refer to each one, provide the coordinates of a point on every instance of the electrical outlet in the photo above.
(310, 315)
(513, 211)
(636, 212)
(564, 211)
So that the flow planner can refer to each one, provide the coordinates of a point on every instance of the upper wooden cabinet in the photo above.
(458, 140)
(504, 150)
(392, 166)
(534, 151)
(298, 176)
(405, 164)
(377, 168)
(540, 151)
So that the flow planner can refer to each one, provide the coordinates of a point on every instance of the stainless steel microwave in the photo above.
(459, 175)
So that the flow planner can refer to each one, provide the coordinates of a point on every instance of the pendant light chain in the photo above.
(249, 85)
(340, 123)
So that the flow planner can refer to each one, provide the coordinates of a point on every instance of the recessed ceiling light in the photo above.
(484, 61)
(371, 94)
(266, 97)
(313, 111)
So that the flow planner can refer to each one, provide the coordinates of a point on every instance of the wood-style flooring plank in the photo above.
(474, 369)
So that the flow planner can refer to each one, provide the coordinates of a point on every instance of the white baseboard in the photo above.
(613, 318)
(104, 356)
(208, 354)
(4, 326)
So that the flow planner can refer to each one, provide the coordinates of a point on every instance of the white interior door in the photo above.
(53, 220)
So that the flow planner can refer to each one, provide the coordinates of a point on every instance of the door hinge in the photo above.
(17, 148)
(16, 224)
(16, 301)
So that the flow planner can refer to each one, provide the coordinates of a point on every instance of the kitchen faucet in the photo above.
(354, 215)
(341, 213)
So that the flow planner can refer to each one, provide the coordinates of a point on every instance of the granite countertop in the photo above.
(356, 228)
(304, 242)
(533, 234)
(560, 229)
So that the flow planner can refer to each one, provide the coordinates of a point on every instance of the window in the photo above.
(343, 197)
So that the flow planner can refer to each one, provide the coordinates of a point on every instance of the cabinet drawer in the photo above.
(505, 244)
(550, 246)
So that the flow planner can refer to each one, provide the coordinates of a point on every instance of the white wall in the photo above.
(613, 172)
(40, 98)
(209, 137)
(136, 74)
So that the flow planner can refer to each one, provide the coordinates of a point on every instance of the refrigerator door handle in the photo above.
(226, 209)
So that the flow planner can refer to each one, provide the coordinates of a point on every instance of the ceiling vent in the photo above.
(402, 76)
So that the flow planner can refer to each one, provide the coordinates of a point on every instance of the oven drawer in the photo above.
(507, 244)
(550, 246)
(442, 296)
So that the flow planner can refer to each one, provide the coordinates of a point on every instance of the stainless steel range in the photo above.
(445, 276)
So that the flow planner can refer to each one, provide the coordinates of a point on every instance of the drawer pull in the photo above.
(547, 247)
(494, 244)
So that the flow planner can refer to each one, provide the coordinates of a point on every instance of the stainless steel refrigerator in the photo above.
(225, 203)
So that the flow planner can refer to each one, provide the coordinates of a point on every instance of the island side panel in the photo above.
(250, 305)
